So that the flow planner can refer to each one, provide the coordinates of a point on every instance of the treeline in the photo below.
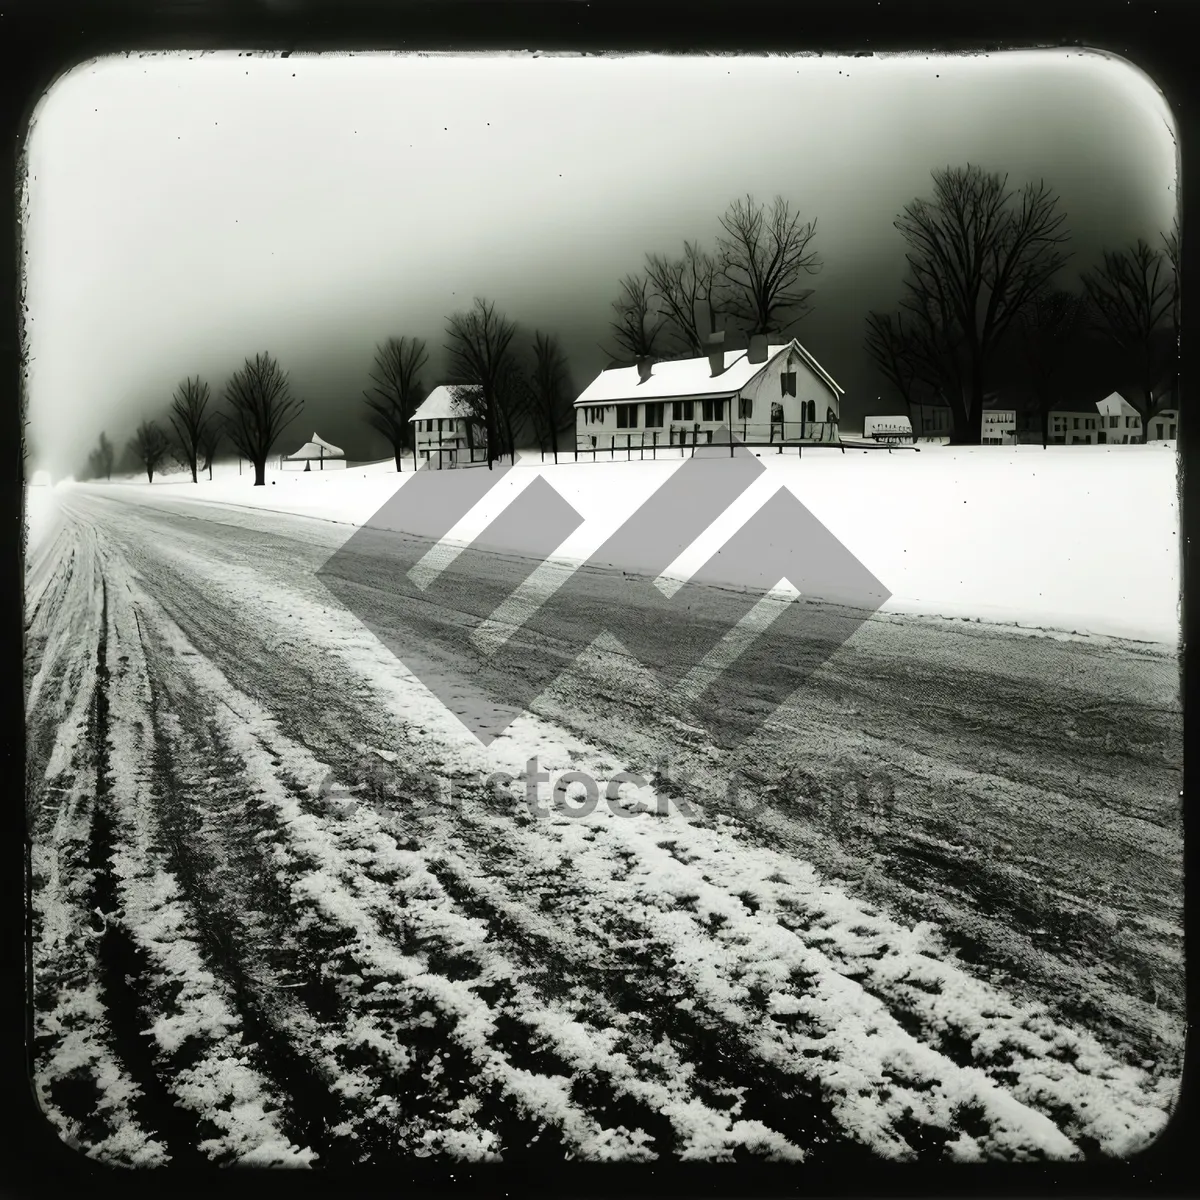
(751, 280)
(984, 308)
(258, 405)
(502, 381)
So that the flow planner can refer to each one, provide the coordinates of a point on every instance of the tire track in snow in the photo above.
(92, 1096)
(711, 973)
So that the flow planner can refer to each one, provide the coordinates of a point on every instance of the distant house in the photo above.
(999, 427)
(1121, 421)
(1072, 424)
(766, 394)
(1112, 421)
(315, 455)
(1164, 426)
(935, 423)
(446, 432)
(896, 429)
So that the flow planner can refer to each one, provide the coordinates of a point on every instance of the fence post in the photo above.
(628, 446)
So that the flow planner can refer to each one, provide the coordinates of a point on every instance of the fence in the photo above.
(683, 442)
(448, 454)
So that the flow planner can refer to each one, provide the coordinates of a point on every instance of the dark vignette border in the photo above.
(41, 40)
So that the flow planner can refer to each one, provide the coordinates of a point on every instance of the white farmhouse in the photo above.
(445, 430)
(766, 394)
(999, 427)
(1112, 421)
(1120, 421)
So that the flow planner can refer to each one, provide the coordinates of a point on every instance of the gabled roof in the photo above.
(684, 378)
(1078, 408)
(317, 447)
(1114, 400)
(442, 402)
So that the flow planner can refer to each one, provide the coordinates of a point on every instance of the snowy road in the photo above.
(950, 925)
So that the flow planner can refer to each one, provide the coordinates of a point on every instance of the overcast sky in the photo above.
(184, 211)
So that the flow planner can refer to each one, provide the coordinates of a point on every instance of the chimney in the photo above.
(644, 364)
(716, 351)
(758, 348)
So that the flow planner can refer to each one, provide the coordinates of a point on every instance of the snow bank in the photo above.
(1077, 538)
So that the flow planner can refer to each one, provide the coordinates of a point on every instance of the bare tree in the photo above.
(261, 406)
(396, 390)
(977, 253)
(100, 459)
(1171, 246)
(686, 289)
(1132, 297)
(483, 366)
(916, 354)
(150, 446)
(189, 418)
(891, 349)
(763, 256)
(1048, 324)
(638, 327)
(550, 400)
(210, 442)
(107, 453)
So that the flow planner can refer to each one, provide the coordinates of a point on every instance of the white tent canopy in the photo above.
(317, 448)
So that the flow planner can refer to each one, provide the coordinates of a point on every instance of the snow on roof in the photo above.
(317, 447)
(1114, 402)
(442, 402)
(684, 377)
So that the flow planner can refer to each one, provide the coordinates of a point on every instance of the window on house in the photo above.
(1128, 422)
(745, 408)
(1076, 425)
(654, 416)
(831, 417)
(787, 383)
(1172, 433)
(712, 410)
(627, 416)
(1113, 421)
(1160, 429)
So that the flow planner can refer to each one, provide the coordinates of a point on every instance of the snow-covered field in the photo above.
(1069, 537)
(282, 917)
